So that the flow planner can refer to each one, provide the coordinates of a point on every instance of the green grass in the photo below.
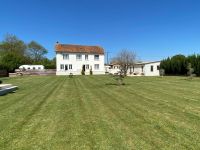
(90, 112)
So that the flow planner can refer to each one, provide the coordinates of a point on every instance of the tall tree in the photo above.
(12, 53)
(36, 51)
(12, 44)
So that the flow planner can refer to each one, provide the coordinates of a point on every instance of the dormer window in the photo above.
(96, 57)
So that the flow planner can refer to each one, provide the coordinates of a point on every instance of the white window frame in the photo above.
(86, 57)
(65, 56)
(96, 58)
(80, 58)
(62, 66)
(87, 66)
(96, 66)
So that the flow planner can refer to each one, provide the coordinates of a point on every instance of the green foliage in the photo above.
(36, 51)
(48, 64)
(10, 61)
(12, 44)
(178, 64)
(14, 52)
(82, 72)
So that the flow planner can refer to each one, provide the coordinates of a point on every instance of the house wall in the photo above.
(155, 72)
(138, 69)
(77, 64)
(146, 71)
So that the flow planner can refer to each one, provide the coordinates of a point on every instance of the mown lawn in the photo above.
(90, 112)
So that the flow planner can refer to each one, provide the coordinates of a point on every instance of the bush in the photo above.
(71, 75)
(162, 72)
(91, 73)
(83, 72)
(0, 81)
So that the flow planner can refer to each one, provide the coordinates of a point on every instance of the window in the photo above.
(70, 66)
(61, 67)
(78, 57)
(158, 67)
(65, 56)
(96, 66)
(39, 68)
(96, 57)
(86, 57)
(151, 68)
(87, 67)
(33, 68)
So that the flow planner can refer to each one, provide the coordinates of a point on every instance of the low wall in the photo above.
(3, 73)
(37, 72)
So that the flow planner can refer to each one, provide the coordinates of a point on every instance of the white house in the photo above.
(139, 69)
(78, 58)
(147, 68)
(31, 67)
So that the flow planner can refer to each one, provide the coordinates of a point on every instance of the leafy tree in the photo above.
(12, 53)
(36, 51)
(48, 64)
(12, 44)
(10, 61)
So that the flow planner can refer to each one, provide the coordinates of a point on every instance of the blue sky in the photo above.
(154, 29)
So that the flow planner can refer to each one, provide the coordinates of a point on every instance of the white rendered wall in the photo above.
(77, 64)
(155, 72)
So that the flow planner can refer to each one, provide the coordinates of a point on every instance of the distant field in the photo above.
(90, 112)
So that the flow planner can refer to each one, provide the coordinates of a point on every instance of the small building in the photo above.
(138, 69)
(79, 59)
(146, 68)
(31, 67)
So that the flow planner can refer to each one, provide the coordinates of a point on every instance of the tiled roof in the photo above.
(79, 49)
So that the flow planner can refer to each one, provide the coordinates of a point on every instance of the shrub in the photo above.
(91, 73)
(162, 72)
(71, 75)
(83, 72)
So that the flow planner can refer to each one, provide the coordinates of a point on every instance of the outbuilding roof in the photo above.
(79, 49)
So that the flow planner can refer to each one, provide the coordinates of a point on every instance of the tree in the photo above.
(125, 59)
(47, 63)
(12, 53)
(36, 51)
(10, 61)
(176, 65)
(12, 44)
